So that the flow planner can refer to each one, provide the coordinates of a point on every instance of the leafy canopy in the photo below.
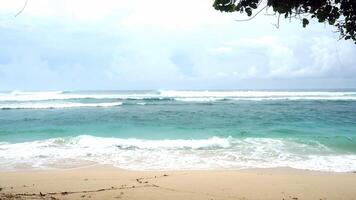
(339, 13)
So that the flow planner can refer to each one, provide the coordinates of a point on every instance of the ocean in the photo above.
(179, 130)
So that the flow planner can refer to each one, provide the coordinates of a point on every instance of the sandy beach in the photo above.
(104, 182)
(177, 100)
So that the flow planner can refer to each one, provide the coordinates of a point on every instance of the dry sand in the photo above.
(105, 182)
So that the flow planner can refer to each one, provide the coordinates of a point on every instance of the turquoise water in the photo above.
(153, 130)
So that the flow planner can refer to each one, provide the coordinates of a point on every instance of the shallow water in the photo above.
(170, 130)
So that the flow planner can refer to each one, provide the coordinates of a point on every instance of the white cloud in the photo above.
(156, 44)
(65, 9)
(271, 57)
(173, 14)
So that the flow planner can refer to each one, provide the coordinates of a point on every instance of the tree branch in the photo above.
(23, 8)
(244, 20)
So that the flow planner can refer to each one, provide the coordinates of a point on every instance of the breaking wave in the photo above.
(45, 105)
(211, 153)
(199, 96)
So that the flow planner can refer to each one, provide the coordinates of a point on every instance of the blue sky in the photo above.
(157, 44)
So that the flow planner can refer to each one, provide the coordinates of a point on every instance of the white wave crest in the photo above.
(198, 96)
(16, 92)
(222, 94)
(59, 95)
(211, 153)
(257, 95)
(199, 99)
(46, 105)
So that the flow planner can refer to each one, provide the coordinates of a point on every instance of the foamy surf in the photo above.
(211, 153)
(46, 105)
(256, 94)
(193, 96)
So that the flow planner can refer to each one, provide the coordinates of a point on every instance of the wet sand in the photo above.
(104, 182)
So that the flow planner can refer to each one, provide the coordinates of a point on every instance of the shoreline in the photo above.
(98, 166)
(107, 182)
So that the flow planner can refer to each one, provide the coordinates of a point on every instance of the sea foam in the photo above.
(210, 153)
(48, 105)
(257, 95)
(194, 96)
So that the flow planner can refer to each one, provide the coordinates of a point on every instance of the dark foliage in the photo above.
(339, 13)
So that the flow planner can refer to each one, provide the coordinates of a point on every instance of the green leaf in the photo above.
(253, 5)
(305, 22)
(248, 11)
(332, 21)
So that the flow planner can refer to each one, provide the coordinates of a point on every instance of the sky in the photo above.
(164, 44)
